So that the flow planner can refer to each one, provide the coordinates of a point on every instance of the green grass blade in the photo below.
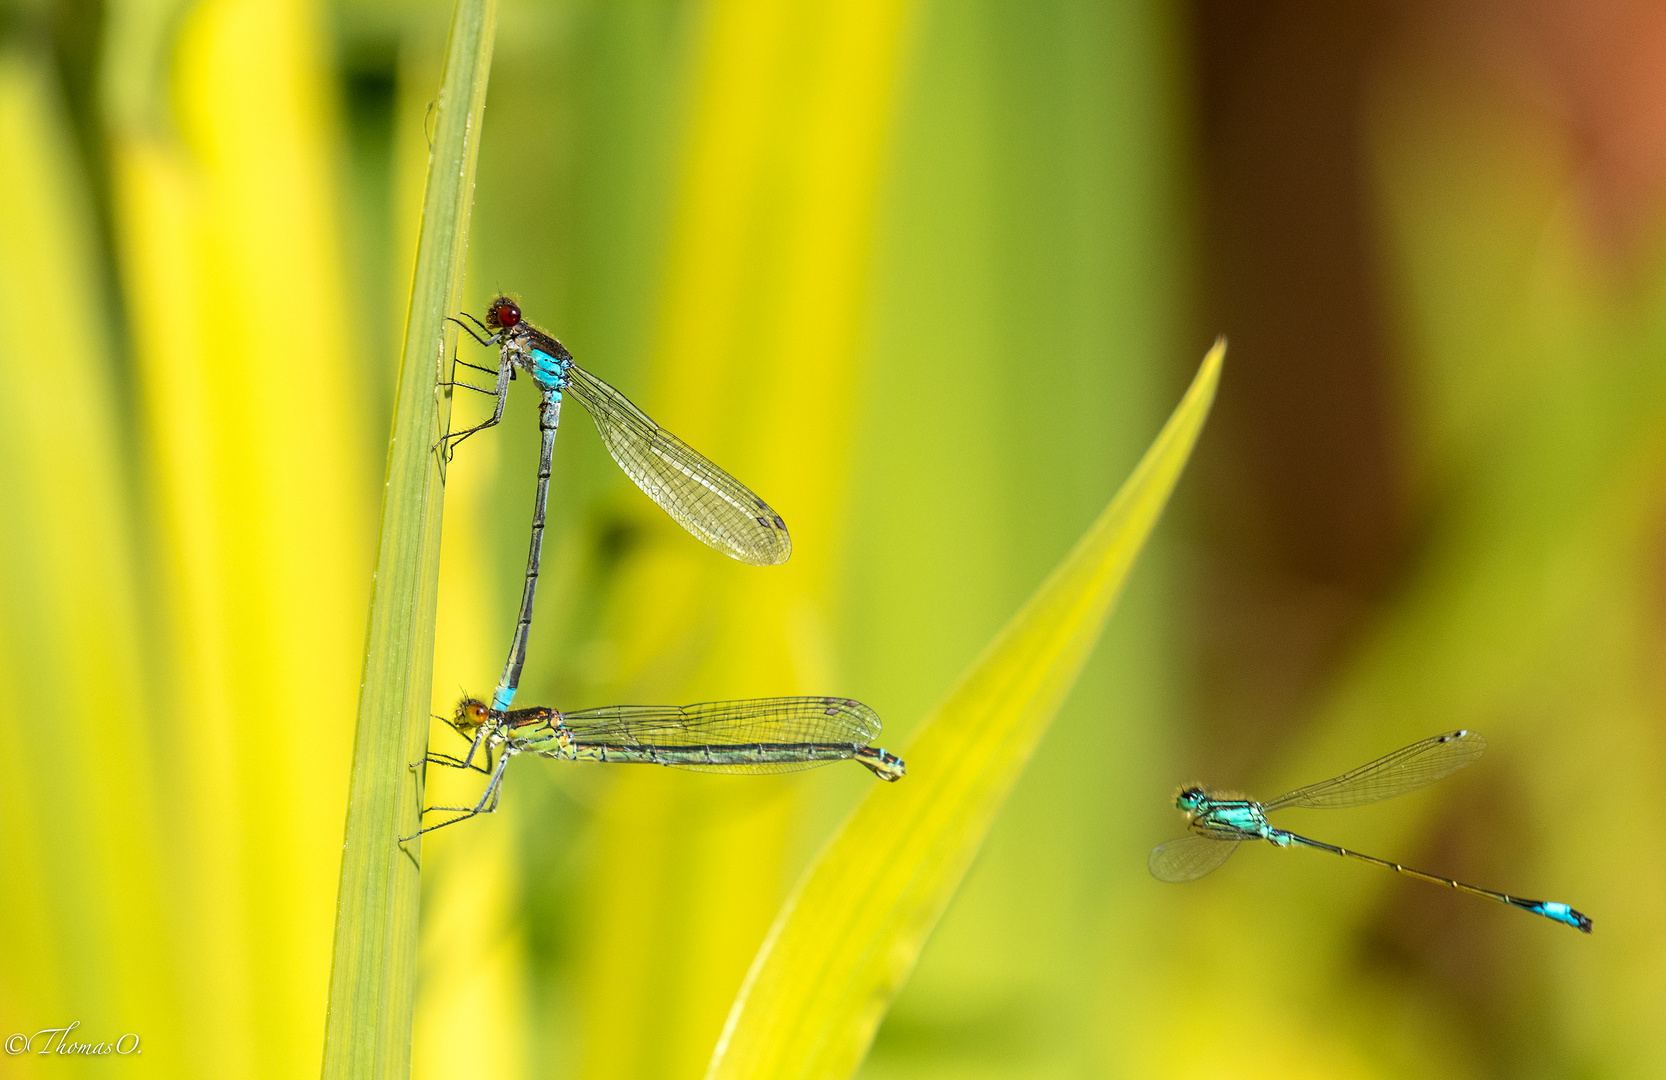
(373, 977)
(847, 938)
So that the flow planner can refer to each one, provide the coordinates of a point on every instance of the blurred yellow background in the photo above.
(927, 276)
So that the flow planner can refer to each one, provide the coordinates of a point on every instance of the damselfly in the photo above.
(1219, 822)
(764, 735)
(701, 497)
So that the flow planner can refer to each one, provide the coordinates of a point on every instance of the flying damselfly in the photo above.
(1220, 822)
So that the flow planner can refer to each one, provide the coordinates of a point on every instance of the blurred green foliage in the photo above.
(925, 275)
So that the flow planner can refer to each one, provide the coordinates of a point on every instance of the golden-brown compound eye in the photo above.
(503, 314)
(471, 714)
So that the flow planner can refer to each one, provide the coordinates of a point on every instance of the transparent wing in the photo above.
(776, 723)
(1407, 769)
(698, 495)
(1189, 857)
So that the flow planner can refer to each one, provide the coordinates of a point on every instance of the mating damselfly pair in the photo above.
(699, 496)
(1220, 822)
(762, 735)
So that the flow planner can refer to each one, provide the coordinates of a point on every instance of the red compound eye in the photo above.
(503, 313)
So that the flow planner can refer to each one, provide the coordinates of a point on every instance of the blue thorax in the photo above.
(1231, 819)
(549, 372)
(540, 356)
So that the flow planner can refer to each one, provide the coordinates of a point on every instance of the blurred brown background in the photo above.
(971, 251)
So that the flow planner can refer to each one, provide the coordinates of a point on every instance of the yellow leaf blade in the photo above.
(373, 974)
(848, 937)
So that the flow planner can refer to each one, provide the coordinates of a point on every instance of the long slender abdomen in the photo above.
(722, 757)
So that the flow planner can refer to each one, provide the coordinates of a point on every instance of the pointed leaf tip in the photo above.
(850, 934)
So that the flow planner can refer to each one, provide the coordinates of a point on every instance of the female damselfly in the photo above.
(1220, 822)
(698, 495)
(763, 735)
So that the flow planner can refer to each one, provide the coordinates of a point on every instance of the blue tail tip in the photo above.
(1562, 913)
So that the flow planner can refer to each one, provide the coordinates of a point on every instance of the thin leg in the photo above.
(476, 741)
(470, 386)
(441, 825)
(451, 761)
(487, 805)
(489, 340)
(450, 440)
(494, 787)
(479, 740)
(477, 367)
(457, 360)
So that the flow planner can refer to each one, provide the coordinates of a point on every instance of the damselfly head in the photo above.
(471, 713)
(1189, 799)
(503, 314)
